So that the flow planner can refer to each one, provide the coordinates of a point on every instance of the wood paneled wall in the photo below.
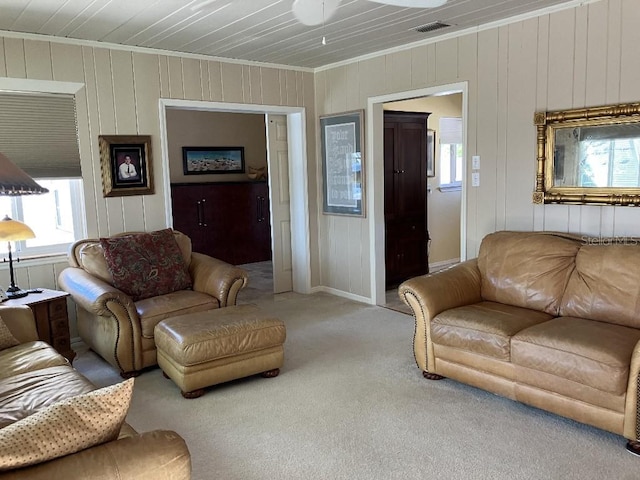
(582, 56)
(121, 94)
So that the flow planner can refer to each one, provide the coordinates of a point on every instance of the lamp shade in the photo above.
(14, 181)
(13, 230)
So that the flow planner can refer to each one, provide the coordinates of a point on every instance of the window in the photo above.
(54, 217)
(451, 154)
(38, 133)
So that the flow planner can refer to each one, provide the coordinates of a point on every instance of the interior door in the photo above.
(278, 159)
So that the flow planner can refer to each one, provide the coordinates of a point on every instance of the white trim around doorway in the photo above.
(375, 177)
(298, 180)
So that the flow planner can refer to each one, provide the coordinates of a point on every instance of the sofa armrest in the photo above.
(430, 295)
(93, 294)
(21, 322)
(631, 427)
(155, 455)
(217, 278)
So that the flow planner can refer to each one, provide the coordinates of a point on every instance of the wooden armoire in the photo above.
(405, 195)
(227, 220)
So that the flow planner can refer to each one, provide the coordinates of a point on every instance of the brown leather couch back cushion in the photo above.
(605, 285)
(526, 269)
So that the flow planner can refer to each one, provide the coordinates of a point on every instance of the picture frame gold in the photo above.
(571, 142)
(126, 165)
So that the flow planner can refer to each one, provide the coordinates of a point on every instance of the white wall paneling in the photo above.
(580, 56)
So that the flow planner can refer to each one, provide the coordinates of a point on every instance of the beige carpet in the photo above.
(351, 404)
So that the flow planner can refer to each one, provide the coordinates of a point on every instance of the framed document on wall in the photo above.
(342, 163)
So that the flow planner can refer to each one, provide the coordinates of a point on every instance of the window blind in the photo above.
(38, 132)
(450, 130)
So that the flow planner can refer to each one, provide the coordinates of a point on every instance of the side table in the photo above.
(52, 319)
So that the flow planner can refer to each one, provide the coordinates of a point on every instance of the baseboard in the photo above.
(443, 264)
(343, 294)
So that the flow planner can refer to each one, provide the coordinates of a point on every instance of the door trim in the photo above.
(298, 178)
(375, 177)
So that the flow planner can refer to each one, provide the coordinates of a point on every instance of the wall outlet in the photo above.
(475, 162)
(475, 179)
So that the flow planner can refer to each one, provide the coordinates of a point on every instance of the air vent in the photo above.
(430, 27)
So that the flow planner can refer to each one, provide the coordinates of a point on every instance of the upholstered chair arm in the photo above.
(631, 419)
(155, 455)
(430, 295)
(21, 322)
(93, 294)
(217, 278)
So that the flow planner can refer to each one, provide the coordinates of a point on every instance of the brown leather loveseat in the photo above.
(120, 328)
(35, 378)
(548, 319)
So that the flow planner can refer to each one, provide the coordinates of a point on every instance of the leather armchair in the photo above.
(121, 330)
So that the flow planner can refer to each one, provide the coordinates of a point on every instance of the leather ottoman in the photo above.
(198, 350)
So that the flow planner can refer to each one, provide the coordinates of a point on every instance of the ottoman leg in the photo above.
(271, 373)
(194, 393)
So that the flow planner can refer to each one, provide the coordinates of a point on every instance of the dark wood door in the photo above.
(188, 214)
(405, 147)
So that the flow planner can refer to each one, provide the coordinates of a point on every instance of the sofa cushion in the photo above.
(28, 357)
(146, 265)
(596, 354)
(153, 310)
(484, 328)
(66, 427)
(605, 285)
(6, 337)
(526, 269)
(26, 393)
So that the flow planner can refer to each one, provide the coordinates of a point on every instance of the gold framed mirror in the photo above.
(589, 156)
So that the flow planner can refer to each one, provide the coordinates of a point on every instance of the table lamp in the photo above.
(15, 181)
(13, 230)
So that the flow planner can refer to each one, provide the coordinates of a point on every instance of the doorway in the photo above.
(300, 271)
(375, 172)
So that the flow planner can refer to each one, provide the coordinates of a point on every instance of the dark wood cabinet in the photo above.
(405, 195)
(229, 221)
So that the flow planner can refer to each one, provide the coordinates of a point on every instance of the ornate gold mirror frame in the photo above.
(589, 156)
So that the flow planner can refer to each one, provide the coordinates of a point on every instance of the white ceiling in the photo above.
(257, 30)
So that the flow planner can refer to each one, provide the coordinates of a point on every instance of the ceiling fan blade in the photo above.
(314, 12)
(413, 3)
(201, 5)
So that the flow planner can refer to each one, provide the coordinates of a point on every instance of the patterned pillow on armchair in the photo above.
(146, 265)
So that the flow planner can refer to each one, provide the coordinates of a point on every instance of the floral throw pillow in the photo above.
(146, 265)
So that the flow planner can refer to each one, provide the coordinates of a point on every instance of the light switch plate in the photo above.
(475, 162)
(475, 179)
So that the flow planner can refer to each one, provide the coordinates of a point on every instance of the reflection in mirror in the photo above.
(594, 156)
(589, 155)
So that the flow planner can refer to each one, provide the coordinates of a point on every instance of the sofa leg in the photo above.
(432, 376)
(633, 446)
(194, 393)
(164, 374)
(127, 375)
(271, 373)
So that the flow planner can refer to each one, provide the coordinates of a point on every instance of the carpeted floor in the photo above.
(351, 404)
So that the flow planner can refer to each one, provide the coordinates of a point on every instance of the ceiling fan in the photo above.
(316, 12)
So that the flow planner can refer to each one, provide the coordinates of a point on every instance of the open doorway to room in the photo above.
(248, 205)
(445, 183)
